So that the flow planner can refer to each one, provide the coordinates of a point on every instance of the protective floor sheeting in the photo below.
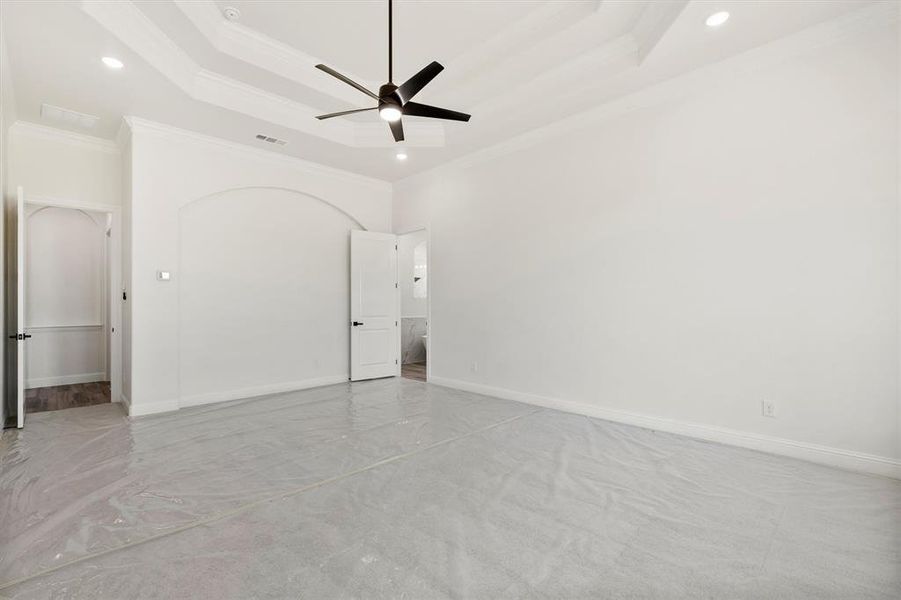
(396, 488)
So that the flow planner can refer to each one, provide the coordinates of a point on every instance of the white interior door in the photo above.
(373, 305)
(20, 336)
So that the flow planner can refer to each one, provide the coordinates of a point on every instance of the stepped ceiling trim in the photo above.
(523, 48)
(124, 20)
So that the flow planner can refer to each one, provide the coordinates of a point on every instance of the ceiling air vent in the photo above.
(68, 117)
(271, 140)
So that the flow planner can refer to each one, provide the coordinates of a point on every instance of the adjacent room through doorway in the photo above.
(67, 357)
(412, 267)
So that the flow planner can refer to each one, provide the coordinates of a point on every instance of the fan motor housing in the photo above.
(388, 95)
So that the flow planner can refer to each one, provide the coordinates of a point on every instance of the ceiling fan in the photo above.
(395, 101)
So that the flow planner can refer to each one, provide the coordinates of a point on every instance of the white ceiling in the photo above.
(353, 35)
(513, 64)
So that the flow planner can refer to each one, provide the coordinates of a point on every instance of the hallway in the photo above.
(59, 397)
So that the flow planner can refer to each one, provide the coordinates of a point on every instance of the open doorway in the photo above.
(413, 273)
(68, 307)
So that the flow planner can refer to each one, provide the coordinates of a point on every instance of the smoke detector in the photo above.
(231, 13)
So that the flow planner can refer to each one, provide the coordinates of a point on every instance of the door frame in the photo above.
(114, 317)
(428, 304)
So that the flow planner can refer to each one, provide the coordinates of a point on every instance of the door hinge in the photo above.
(395, 361)
(395, 323)
(395, 286)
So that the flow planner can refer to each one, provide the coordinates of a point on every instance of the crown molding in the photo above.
(125, 21)
(612, 58)
(80, 140)
(250, 46)
(123, 136)
(514, 48)
(857, 22)
(654, 22)
(139, 125)
(540, 40)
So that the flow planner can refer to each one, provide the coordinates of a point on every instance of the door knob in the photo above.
(357, 323)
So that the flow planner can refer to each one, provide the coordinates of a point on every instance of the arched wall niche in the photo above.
(287, 190)
(263, 293)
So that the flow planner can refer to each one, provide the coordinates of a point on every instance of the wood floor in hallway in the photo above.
(413, 371)
(58, 397)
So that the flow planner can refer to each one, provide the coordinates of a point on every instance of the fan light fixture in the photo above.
(390, 113)
(394, 101)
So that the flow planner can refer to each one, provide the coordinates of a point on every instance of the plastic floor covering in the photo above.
(400, 489)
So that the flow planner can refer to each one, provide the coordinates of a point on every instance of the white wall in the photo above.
(677, 264)
(254, 200)
(55, 164)
(65, 296)
(263, 295)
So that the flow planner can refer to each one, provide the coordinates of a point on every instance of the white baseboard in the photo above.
(261, 390)
(825, 455)
(40, 382)
(141, 409)
(150, 408)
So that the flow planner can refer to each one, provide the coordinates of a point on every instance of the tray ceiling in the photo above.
(515, 65)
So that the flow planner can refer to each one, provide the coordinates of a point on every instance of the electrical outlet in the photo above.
(474, 367)
(768, 408)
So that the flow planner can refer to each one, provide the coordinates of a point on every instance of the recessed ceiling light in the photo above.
(401, 155)
(112, 63)
(717, 19)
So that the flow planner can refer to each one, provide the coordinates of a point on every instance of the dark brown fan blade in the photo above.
(397, 128)
(414, 109)
(346, 80)
(412, 86)
(344, 112)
